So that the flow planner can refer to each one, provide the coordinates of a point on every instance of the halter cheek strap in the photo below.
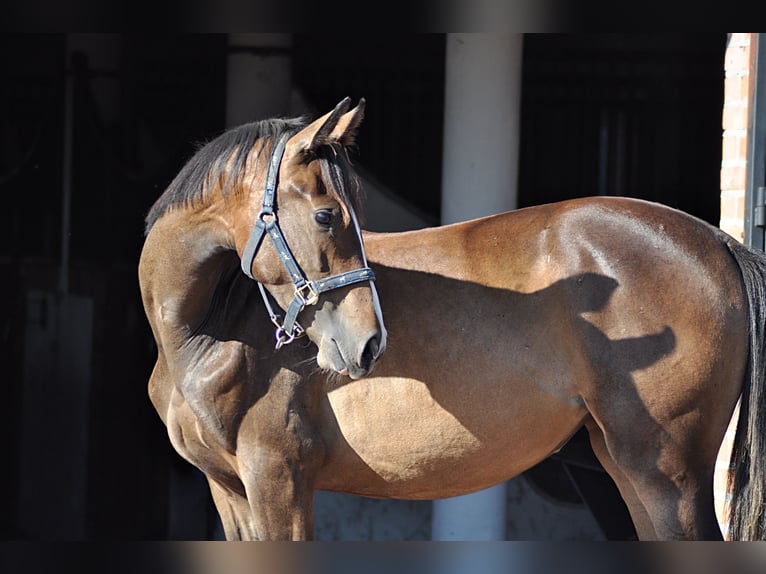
(306, 292)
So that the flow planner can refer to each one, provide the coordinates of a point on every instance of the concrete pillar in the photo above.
(481, 125)
(258, 74)
(479, 177)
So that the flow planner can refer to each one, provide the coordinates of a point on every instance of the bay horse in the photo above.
(505, 336)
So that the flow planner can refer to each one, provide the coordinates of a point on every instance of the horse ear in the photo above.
(318, 132)
(337, 126)
(348, 124)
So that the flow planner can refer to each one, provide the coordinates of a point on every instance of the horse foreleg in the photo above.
(280, 496)
(234, 512)
(278, 456)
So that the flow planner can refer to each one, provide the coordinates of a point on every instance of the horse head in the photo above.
(314, 266)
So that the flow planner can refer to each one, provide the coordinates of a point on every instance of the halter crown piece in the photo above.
(306, 292)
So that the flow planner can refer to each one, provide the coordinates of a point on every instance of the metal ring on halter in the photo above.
(280, 333)
(284, 339)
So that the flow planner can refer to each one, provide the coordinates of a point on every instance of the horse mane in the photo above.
(192, 184)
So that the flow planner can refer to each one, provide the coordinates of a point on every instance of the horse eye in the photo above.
(323, 218)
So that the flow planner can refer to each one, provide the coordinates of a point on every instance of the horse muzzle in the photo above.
(354, 361)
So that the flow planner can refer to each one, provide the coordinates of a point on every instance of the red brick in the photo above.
(734, 147)
(740, 207)
(739, 39)
(737, 58)
(735, 117)
(736, 88)
(732, 206)
(733, 177)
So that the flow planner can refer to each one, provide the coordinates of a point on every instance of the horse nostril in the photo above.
(370, 352)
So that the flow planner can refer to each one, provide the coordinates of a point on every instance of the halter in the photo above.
(306, 292)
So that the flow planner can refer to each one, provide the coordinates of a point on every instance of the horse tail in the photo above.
(747, 482)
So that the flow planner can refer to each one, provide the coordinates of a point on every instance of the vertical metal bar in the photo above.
(756, 143)
(66, 173)
(759, 211)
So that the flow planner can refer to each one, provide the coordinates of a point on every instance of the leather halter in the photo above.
(306, 292)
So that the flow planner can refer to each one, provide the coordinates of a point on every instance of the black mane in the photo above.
(189, 187)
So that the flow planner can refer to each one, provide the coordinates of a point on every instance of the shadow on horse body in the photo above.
(507, 334)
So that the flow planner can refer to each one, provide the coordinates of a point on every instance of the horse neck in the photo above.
(185, 256)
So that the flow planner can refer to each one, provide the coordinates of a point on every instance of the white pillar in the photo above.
(479, 177)
(258, 76)
(481, 125)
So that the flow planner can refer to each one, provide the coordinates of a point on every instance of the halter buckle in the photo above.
(307, 294)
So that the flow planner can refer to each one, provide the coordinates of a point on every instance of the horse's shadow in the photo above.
(434, 320)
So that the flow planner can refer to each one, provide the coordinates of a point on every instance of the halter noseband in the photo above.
(306, 292)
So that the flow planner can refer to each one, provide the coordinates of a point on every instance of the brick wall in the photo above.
(736, 109)
(735, 122)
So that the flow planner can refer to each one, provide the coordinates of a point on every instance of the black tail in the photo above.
(747, 484)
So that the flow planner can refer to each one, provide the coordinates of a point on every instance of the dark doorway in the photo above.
(630, 115)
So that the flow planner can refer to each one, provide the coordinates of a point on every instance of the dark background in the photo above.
(635, 115)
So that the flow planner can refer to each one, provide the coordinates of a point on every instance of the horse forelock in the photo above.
(344, 182)
(223, 161)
